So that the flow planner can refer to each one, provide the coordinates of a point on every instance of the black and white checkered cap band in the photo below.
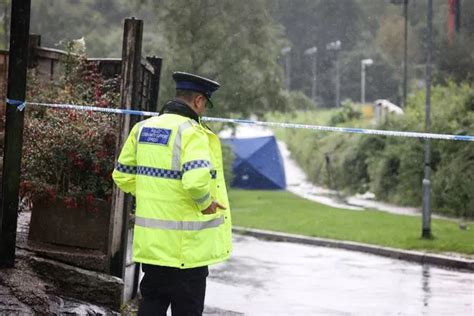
(126, 169)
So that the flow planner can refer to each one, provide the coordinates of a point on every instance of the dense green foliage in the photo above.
(234, 42)
(239, 43)
(286, 212)
(392, 167)
(99, 22)
(372, 29)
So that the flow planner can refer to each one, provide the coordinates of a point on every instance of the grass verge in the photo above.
(285, 212)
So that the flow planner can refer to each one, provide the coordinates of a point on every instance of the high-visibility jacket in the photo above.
(173, 166)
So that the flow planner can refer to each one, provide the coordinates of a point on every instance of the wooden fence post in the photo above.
(156, 63)
(34, 43)
(16, 90)
(129, 98)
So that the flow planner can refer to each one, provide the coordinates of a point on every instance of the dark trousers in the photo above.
(183, 289)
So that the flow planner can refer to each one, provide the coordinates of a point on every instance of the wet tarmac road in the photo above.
(277, 278)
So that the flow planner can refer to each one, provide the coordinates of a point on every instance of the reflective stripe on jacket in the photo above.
(173, 165)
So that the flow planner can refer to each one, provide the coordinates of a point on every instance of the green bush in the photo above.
(299, 101)
(346, 114)
(356, 178)
(453, 191)
(384, 173)
(392, 167)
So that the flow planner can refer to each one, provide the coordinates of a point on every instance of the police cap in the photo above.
(187, 81)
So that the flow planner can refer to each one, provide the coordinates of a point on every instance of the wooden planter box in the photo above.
(81, 227)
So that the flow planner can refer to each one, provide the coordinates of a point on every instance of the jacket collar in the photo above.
(180, 108)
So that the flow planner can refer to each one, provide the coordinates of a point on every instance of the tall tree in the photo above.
(99, 22)
(234, 42)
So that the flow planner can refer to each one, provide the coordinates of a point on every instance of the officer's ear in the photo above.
(195, 101)
(200, 98)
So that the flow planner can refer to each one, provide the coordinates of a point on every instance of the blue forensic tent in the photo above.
(258, 163)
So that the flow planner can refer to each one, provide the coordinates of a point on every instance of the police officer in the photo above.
(173, 165)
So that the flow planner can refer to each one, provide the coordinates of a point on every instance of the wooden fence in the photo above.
(138, 80)
(48, 62)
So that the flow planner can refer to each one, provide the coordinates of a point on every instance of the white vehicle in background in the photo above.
(384, 107)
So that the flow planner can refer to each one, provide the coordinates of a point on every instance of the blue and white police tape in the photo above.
(363, 131)
(20, 105)
(94, 109)
(344, 129)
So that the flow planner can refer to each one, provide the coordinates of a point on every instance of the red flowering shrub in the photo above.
(69, 154)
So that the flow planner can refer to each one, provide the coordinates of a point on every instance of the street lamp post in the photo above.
(363, 64)
(405, 48)
(426, 226)
(405, 54)
(336, 46)
(313, 52)
(286, 52)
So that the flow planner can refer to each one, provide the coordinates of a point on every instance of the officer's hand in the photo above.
(212, 209)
